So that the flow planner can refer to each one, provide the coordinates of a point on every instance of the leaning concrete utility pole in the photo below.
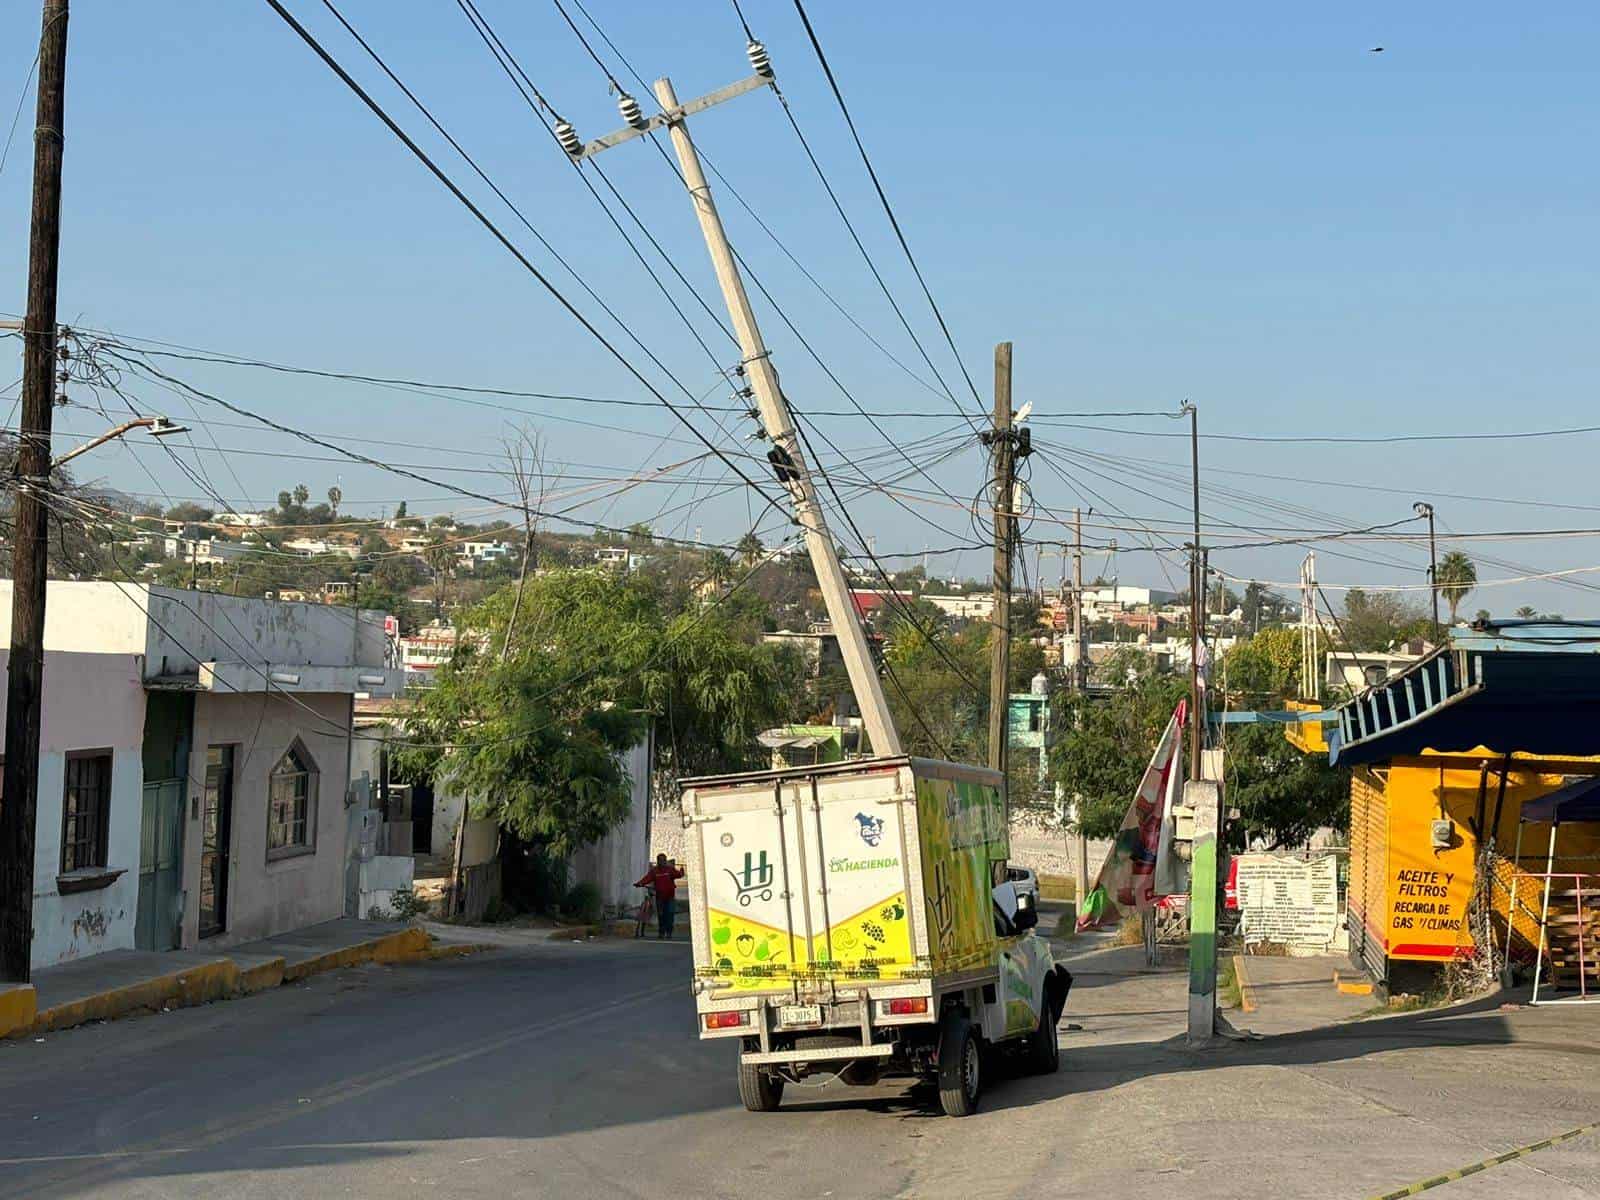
(1005, 466)
(786, 454)
(25, 678)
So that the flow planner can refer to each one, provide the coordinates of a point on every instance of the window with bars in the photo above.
(85, 810)
(292, 804)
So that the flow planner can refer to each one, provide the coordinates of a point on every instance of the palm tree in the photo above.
(1527, 612)
(749, 547)
(335, 494)
(1455, 577)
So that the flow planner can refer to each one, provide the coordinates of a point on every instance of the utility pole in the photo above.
(1423, 509)
(24, 684)
(786, 454)
(1196, 598)
(1005, 465)
(1080, 638)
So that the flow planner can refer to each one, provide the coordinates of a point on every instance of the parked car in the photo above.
(1026, 882)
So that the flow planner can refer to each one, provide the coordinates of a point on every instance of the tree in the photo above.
(1378, 621)
(749, 549)
(1264, 670)
(1103, 745)
(1483, 614)
(1283, 794)
(537, 734)
(1456, 576)
(301, 494)
(639, 534)
(400, 510)
(286, 501)
(440, 556)
(1527, 613)
(335, 494)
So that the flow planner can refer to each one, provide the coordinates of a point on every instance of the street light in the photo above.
(158, 427)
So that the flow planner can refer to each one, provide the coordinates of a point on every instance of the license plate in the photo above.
(800, 1014)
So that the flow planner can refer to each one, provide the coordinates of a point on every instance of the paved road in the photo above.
(571, 1071)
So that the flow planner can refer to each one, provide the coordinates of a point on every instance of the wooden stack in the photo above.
(1572, 939)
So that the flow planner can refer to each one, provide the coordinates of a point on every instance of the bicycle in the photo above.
(647, 913)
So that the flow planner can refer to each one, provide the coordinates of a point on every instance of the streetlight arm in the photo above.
(158, 427)
(141, 423)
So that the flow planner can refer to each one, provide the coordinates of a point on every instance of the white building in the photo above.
(425, 651)
(472, 553)
(252, 520)
(194, 766)
(978, 606)
(312, 547)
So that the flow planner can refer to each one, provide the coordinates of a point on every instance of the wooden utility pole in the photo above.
(787, 454)
(1004, 537)
(24, 684)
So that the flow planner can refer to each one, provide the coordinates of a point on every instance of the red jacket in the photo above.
(663, 879)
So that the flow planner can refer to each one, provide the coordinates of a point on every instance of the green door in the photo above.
(160, 866)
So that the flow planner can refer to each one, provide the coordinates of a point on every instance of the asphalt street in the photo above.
(553, 1069)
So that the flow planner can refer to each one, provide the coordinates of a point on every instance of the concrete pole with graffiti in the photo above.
(1204, 797)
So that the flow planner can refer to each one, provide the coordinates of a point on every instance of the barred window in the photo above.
(292, 804)
(85, 810)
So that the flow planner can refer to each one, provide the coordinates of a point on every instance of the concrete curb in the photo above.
(223, 979)
(1247, 999)
(196, 985)
(407, 945)
(17, 1009)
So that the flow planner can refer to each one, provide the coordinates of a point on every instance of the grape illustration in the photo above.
(873, 930)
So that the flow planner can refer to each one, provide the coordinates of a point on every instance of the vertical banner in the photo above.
(1125, 883)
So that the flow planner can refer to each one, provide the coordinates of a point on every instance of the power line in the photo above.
(883, 197)
(495, 231)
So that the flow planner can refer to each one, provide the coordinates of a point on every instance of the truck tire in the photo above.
(759, 1088)
(960, 1066)
(1044, 1050)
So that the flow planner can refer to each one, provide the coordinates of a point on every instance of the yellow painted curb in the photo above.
(1247, 1001)
(261, 977)
(1352, 987)
(407, 945)
(17, 1009)
(194, 985)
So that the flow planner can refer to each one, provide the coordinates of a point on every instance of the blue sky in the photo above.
(1243, 207)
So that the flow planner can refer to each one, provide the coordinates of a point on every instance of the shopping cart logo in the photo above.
(754, 880)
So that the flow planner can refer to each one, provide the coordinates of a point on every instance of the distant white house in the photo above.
(252, 520)
(977, 606)
(472, 553)
(313, 547)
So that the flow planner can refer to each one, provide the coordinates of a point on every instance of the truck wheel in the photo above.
(1044, 1050)
(759, 1088)
(960, 1066)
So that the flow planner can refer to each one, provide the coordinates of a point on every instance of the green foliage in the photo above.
(1283, 794)
(1264, 670)
(1378, 621)
(407, 905)
(1104, 744)
(582, 902)
(1456, 576)
(533, 729)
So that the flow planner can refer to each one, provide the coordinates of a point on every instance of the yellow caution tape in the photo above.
(1508, 1156)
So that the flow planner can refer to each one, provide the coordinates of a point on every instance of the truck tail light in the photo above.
(908, 1006)
(726, 1020)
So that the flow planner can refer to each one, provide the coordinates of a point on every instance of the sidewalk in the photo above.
(1290, 995)
(119, 982)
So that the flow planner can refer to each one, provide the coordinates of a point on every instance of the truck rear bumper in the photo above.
(821, 1054)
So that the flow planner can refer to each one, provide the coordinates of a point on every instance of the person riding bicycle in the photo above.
(663, 880)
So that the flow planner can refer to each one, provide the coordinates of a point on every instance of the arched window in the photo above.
(292, 804)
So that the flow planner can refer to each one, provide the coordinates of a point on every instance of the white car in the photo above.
(1026, 882)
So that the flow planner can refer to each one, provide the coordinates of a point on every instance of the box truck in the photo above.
(855, 920)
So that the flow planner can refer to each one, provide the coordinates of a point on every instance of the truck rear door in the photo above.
(806, 880)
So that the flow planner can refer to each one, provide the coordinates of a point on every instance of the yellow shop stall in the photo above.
(1464, 766)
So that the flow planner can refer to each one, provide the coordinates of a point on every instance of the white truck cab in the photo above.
(856, 920)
